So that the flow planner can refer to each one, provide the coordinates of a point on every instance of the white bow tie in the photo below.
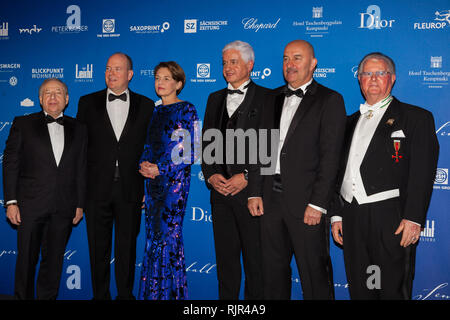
(364, 108)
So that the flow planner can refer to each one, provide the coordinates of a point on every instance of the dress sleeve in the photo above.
(184, 148)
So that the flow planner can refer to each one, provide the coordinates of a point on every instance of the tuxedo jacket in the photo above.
(418, 151)
(247, 116)
(309, 159)
(104, 149)
(30, 173)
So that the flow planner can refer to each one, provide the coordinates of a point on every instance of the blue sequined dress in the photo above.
(163, 275)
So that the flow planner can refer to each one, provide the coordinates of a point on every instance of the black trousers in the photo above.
(283, 236)
(101, 217)
(47, 235)
(370, 244)
(236, 232)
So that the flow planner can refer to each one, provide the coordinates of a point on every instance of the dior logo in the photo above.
(371, 19)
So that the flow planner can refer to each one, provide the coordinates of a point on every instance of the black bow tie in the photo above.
(288, 92)
(229, 91)
(112, 97)
(50, 119)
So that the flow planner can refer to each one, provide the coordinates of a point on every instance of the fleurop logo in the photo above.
(440, 22)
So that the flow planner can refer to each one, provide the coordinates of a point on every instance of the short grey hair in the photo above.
(66, 90)
(378, 56)
(244, 48)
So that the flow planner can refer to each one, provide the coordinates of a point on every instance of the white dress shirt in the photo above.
(118, 112)
(56, 132)
(235, 100)
(290, 107)
(352, 184)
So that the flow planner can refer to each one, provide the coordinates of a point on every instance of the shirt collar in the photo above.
(59, 116)
(241, 87)
(303, 87)
(108, 91)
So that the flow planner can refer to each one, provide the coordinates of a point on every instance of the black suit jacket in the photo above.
(30, 173)
(248, 117)
(309, 159)
(415, 171)
(104, 149)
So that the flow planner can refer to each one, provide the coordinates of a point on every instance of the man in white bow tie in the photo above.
(385, 185)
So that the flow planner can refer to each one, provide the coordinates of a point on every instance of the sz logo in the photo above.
(190, 26)
(371, 19)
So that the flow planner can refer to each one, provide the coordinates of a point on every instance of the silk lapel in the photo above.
(219, 105)
(44, 136)
(68, 138)
(383, 130)
(132, 114)
(305, 104)
(278, 108)
(103, 114)
(243, 108)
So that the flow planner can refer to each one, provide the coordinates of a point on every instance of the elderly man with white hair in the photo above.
(388, 168)
(236, 232)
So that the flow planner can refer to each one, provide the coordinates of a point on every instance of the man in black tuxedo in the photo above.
(293, 199)
(117, 121)
(235, 230)
(44, 171)
(388, 168)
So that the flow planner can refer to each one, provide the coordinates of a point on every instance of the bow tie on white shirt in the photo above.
(364, 108)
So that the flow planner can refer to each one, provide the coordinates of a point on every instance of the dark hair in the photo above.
(175, 70)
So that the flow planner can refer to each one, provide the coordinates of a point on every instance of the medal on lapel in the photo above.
(396, 148)
(369, 114)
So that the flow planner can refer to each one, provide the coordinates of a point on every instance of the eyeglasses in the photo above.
(369, 74)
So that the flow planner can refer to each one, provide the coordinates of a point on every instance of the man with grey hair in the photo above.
(387, 173)
(44, 179)
(236, 232)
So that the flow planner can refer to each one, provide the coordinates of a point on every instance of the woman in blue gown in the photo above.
(165, 163)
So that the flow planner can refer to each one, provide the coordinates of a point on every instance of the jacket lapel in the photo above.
(103, 116)
(132, 114)
(44, 136)
(304, 106)
(243, 108)
(383, 130)
(68, 138)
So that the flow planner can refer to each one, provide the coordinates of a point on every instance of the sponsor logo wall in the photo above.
(72, 40)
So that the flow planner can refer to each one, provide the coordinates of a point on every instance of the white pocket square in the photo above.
(398, 134)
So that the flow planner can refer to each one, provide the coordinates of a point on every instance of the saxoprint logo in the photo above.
(372, 19)
(155, 28)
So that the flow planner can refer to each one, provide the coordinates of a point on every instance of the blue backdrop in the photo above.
(72, 40)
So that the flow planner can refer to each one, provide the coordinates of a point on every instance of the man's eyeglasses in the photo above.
(369, 74)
